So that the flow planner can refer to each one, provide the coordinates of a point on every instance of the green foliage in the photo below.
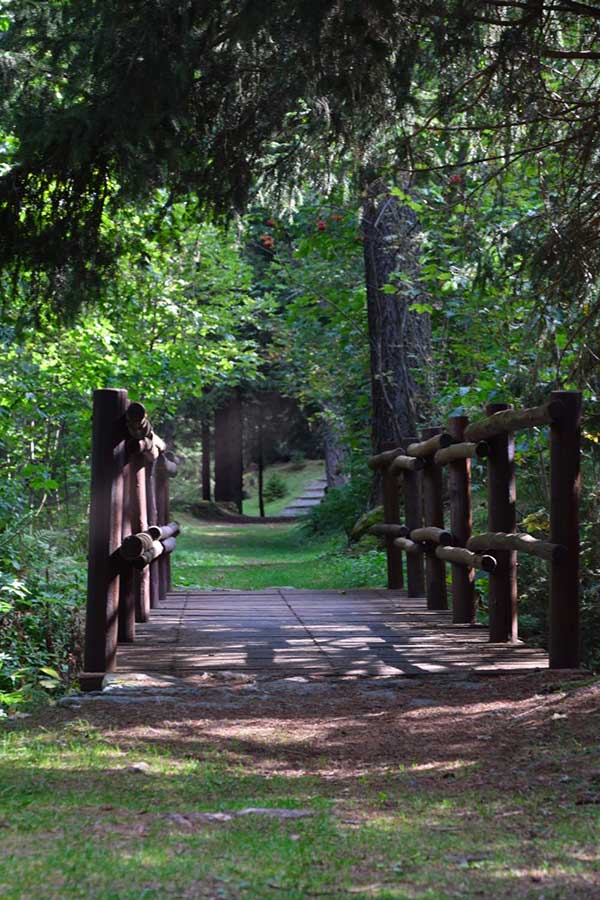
(40, 618)
(275, 488)
(340, 508)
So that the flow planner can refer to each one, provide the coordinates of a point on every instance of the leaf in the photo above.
(47, 670)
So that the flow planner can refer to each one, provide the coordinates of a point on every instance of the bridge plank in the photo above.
(286, 632)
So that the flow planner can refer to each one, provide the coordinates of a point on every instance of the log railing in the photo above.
(415, 471)
(131, 536)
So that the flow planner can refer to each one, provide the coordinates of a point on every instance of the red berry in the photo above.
(321, 224)
(455, 179)
(270, 223)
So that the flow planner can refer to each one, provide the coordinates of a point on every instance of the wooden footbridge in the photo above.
(410, 632)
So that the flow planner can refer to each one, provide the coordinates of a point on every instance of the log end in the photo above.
(488, 563)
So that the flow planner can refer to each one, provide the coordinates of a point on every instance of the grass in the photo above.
(77, 822)
(295, 475)
(251, 557)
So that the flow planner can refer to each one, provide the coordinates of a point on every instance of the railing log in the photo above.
(411, 548)
(430, 446)
(402, 464)
(383, 530)
(382, 460)
(433, 536)
(462, 450)
(161, 532)
(507, 420)
(460, 556)
(520, 542)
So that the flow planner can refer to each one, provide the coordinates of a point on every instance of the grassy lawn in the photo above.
(257, 556)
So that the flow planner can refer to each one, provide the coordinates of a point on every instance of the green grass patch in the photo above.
(251, 557)
(294, 475)
(77, 822)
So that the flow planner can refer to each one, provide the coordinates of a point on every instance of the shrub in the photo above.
(340, 508)
(275, 488)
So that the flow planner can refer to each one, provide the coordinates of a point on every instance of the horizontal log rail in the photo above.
(402, 464)
(161, 532)
(464, 450)
(433, 536)
(519, 541)
(460, 556)
(411, 547)
(508, 420)
(382, 460)
(383, 530)
(431, 445)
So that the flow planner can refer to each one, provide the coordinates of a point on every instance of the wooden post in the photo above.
(413, 518)
(139, 522)
(153, 520)
(206, 492)
(502, 516)
(565, 486)
(459, 490)
(391, 516)
(126, 580)
(106, 509)
(162, 504)
(433, 508)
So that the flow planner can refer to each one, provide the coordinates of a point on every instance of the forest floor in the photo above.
(244, 786)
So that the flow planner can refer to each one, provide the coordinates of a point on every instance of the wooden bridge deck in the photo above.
(297, 632)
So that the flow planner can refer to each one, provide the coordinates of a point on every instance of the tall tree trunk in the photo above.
(261, 466)
(400, 338)
(229, 452)
(206, 492)
(334, 452)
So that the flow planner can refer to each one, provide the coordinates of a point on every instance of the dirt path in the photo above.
(427, 788)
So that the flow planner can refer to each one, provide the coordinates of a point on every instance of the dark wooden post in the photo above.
(139, 522)
(106, 510)
(206, 492)
(502, 516)
(565, 486)
(126, 580)
(459, 490)
(162, 504)
(391, 516)
(153, 520)
(413, 518)
(433, 509)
